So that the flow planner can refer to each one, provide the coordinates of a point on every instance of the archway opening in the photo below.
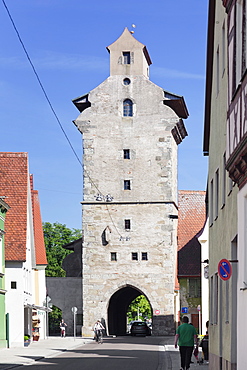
(139, 310)
(118, 308)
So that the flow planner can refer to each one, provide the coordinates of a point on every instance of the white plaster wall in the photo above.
(15, 303)
(242, 277)
(203, 239)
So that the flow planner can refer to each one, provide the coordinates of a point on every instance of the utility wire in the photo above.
(39, 81)
(52, 109)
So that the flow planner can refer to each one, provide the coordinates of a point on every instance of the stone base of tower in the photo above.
(163, 325)
(87, 332)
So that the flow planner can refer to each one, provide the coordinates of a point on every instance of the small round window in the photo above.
(126, 81)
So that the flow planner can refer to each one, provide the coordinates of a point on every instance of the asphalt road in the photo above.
(122, 353)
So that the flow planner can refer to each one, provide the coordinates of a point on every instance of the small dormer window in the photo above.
(126, 57)
(127, 108)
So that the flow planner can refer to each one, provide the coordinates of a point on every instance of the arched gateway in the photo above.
(130, 191)
(117, 309)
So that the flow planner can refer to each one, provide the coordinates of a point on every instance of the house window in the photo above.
(144, 256)
(217, 71)
(216, 295)
(126, 57)
(223, 195)
(216, 202)
(127, 108)
(127, 185)
(223, 42)
(195, 288)
(127, 224)
(211, 199)
(113, 256)
(126, 154)
(134, 256)
(13, 285)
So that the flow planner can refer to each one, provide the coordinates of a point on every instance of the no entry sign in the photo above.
(224, 269)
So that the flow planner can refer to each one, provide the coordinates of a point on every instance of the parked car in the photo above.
(140, 328)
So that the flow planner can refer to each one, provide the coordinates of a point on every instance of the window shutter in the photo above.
(132, 57)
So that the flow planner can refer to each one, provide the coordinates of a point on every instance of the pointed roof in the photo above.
(14, 185)
(40, 251)
(128, 39)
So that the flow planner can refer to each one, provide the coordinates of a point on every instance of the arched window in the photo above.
(127, 108)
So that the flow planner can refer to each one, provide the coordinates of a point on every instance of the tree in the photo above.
(139, 305)
(56, 235)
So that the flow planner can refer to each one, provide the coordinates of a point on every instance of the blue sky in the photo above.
(66, 41)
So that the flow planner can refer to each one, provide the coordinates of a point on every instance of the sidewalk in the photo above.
(172, 357)
(51, 347)
(13, 357)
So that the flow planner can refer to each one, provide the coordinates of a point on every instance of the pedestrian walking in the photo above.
(185, 338)
(62, 328)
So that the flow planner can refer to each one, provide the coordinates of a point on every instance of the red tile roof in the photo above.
(191, 220)
(14, 185)
(40, 251)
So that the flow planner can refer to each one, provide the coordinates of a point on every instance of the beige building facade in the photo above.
(221, 122)
(130, 130)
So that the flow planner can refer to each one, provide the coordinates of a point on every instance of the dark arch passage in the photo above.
(117, 309)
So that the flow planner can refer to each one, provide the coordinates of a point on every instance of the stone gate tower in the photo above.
(131, 128)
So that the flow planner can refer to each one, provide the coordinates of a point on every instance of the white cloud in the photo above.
(172, 73)
(51, 61)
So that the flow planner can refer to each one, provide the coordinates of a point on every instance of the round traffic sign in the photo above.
(225, 269)
(157, 312)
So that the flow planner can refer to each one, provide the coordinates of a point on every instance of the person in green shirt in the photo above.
(185, 337)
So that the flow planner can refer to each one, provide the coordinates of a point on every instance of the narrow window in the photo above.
(211, 200)
(127, 108)
(223, 197)
(127, 224)
(127, 185)
(227, 300)
(195, 288)
(13, 285)
(216, 295)
(216, 202)
(126, 154)
(134, 256)
(217, 71)
(113, 256)
(223, 48)
(211, 300)
(144, 256)
(126, 57)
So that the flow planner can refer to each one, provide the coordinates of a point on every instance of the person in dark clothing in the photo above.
(204, 343)
(62, 328)
(185, 337)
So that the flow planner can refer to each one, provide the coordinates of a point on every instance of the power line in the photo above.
(52, 109)
(39, 81)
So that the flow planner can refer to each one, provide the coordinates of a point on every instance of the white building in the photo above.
(24, 253)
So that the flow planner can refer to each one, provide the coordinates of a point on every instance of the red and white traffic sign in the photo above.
(225, 269)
